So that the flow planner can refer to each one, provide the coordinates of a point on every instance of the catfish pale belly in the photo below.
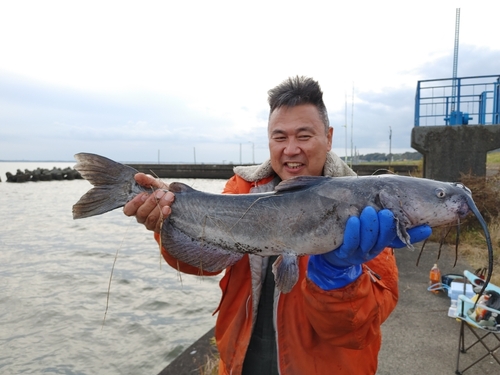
(302, 216)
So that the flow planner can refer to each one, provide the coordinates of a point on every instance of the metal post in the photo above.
(345, 126)
(455, 62)
(495, 118)
(352, 123)
(390, 146)
(253, 152)
(417, 106)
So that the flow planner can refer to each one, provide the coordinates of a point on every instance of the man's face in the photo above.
(298, 142)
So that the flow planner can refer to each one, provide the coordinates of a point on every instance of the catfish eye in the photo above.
(440, 193)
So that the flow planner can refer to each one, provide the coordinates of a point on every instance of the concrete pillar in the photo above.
(450, 151)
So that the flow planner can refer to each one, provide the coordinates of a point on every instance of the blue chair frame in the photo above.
(464, 306)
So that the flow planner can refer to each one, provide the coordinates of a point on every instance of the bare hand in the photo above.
(150, 209)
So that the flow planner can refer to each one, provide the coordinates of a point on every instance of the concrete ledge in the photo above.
(212, 171)
(225, 171)
(450, 151)
(191, 360)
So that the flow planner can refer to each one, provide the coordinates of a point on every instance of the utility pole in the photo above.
(253, 152)
(345, 126)
(352, 123)
(390, 145)
(455, 61)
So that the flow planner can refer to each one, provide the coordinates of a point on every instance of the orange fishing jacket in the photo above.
(317, 331)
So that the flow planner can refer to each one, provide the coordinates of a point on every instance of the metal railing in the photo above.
(477, 101)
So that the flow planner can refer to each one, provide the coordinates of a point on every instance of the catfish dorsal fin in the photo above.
(299, 182)
(179, 187)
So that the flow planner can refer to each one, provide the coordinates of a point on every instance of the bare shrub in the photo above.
(486, 195)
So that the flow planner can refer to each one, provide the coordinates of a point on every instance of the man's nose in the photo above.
(292, 147)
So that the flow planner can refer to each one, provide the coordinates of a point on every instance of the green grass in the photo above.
(493, 158)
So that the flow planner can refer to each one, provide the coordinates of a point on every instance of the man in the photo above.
(329, 323)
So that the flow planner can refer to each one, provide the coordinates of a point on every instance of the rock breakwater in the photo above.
(42, 174)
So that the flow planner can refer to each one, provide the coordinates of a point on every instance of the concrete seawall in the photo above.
(225, 171)
(209, 171)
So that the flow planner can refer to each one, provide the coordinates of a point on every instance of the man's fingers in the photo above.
(161, 210)
(149, 209)
(130, 209)
(351, 238)
(369, 228)
(387, 230)
(149, 181)
(416, 234)
(153, 204)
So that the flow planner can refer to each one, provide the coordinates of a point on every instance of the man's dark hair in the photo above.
(296, 91)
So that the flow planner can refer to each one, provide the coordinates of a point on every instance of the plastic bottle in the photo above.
(435, 278)
(452, 311)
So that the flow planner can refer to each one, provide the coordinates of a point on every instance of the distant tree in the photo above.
(411, 156)
(382, 157)
(375, 157)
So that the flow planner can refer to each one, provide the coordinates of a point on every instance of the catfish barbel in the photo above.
(302, 216)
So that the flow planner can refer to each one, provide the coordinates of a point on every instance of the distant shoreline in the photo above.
(123, 162)
(37, 161)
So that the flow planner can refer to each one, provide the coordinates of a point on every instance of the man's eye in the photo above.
(304, 137)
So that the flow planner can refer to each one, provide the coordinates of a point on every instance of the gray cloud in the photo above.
(42, 122)
(394, 107)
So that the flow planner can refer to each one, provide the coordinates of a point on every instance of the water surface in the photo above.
(54, 273)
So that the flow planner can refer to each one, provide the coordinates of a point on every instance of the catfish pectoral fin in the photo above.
(403, 235)
(393, 204)
(286, 272)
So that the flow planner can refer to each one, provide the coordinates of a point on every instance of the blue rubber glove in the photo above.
(364, 238)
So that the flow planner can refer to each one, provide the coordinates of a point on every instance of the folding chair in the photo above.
(485, 331)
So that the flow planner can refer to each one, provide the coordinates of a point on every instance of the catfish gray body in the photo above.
(303, 216)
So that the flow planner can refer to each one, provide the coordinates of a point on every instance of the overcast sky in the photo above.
(188, 79)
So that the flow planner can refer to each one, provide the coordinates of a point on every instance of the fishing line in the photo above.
(112, 271)
(421, 251)
(160, 246)
(457, 242)
(161, 218)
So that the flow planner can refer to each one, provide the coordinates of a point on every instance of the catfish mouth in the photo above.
(466, 203)
(463, 210)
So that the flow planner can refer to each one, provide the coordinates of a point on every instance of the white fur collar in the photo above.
(334, 167)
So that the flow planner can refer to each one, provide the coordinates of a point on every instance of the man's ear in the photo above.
(330, 138)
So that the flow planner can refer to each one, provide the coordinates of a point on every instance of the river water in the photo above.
(54, 275)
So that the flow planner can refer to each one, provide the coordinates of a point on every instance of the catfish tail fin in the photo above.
(114, 185)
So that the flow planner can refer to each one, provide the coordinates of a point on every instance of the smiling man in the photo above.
(298, 141)
(329, 323)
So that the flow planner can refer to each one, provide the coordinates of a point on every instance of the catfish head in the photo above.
(424, 201)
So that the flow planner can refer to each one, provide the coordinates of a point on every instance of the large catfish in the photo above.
(303, 215)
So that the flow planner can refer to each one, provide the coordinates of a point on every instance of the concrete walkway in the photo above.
(418, 338)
